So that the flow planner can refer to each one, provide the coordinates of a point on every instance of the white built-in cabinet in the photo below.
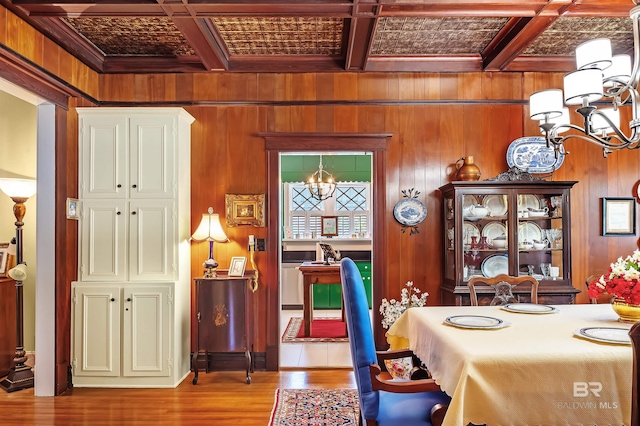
(131, 302)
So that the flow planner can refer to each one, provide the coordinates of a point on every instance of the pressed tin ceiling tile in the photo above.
(281, 36)
(132, 36)
(434, 36)
(562, 37)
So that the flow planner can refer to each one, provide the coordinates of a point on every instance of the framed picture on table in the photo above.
(618, 216)
(236, 268)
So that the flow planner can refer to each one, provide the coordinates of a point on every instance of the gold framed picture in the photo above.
(245, 209)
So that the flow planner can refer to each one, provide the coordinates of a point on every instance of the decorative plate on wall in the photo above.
(532, 155)
(410, 211)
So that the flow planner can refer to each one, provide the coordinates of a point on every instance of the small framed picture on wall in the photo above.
(618, 216)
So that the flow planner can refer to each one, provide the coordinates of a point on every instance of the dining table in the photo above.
(524, 364)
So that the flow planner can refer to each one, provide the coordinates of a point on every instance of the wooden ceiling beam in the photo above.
(466, 63)
(261, 64)
(200, 38)
(153, 65)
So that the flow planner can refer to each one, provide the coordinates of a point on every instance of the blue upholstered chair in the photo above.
(384, 402)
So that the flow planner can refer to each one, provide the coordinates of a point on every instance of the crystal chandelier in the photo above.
(598, 75)
(321, 184)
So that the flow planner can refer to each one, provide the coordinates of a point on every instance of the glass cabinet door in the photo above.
(484, 234)
(540, 234)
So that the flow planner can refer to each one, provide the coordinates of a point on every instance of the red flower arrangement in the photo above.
(623, 280)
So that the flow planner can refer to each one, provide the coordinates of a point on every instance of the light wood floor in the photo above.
(219, 398)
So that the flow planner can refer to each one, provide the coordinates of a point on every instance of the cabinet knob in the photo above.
(134, 186)
(113, 300)
(118, 213)
(118, 186)
(128, 299)
(133, 213)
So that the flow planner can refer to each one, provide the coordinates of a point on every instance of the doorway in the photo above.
(277, 143)
(302, 233)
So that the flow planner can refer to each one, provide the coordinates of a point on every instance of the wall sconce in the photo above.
(210, 230)
(19, 190)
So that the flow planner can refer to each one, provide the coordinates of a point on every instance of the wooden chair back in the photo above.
(503, 286)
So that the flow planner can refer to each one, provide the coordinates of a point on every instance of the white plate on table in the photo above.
(613, 335)
(496, 204)
(529, 308)
(494, 265)
(475, 322)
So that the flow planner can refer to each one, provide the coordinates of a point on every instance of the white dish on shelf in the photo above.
(478, 322)
(468, 200)
(494, 265)
(529, 308)
(496, 203)
(493, 230)
(529, 231)
(469, 231)
(613, 335)
(528, 201)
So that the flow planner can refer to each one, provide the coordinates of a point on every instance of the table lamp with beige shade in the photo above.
(210, 230)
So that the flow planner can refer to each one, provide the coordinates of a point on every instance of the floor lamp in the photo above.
(20, 376)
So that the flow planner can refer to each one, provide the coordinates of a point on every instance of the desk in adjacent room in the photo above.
(534, 371)
(316, 273)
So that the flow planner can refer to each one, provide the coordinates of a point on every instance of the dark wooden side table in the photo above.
(7, 324)
(224, 310)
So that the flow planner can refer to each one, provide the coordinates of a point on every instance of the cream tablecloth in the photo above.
(533, 372)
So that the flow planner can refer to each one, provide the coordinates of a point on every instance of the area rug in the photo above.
(315, 407)
(322, 330)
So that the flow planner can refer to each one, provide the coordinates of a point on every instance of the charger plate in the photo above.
(476, 322)
(612, 335)
(494, 265)
(529, 308)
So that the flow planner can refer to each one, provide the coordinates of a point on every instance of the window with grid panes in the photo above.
(350, 203)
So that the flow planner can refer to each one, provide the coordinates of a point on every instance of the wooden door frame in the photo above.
(277, 143)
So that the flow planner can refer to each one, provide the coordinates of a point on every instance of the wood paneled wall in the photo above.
(435, 119)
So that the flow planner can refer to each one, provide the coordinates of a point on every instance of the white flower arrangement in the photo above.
(410, 297)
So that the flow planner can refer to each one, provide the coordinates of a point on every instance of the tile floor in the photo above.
(313, 355)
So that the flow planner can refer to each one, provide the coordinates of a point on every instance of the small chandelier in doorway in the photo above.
(321, 184)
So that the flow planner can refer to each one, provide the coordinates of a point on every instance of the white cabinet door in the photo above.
(103, 161)
(103, 240)
(152, 142)
(127, 157)
(147, 336)
(96, 337)
(152, 248)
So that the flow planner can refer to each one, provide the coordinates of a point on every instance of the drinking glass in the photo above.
(554, 271)
(544, 267)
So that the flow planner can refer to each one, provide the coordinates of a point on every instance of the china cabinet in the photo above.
(507, 227)
(7, 324)
(131, 303)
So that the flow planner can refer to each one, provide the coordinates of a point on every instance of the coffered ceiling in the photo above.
(143, 36)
